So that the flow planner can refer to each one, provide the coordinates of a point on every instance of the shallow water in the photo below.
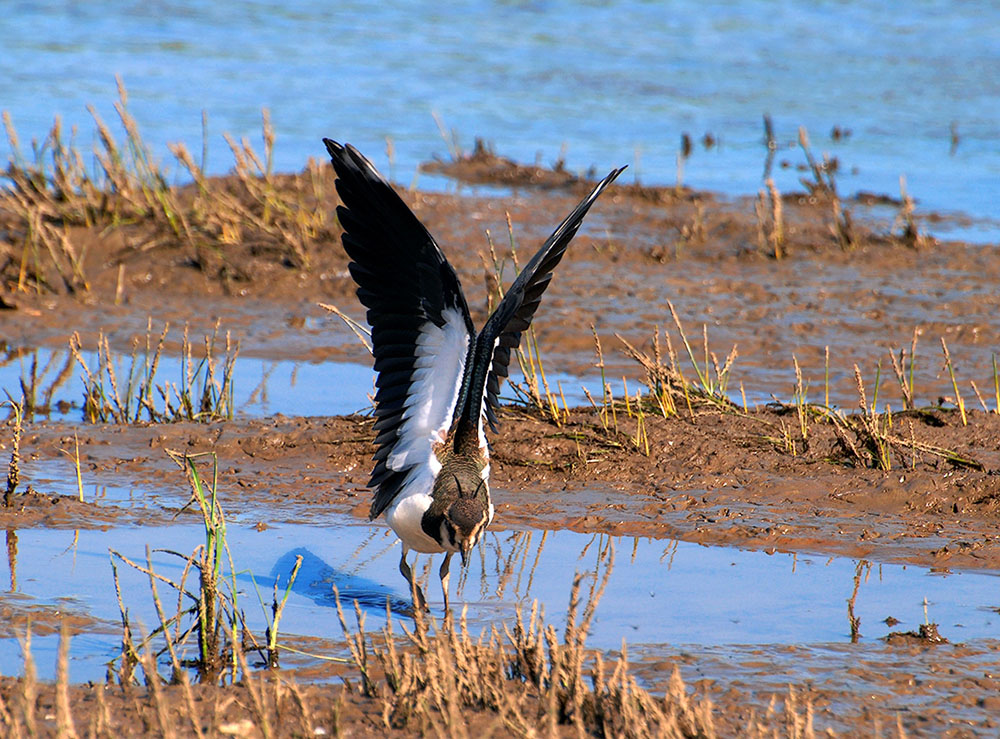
(609, 82)
(660, 594)
(261, 387)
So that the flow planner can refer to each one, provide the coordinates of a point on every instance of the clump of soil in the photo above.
(484, 167)
(32, 509)
(925, 635)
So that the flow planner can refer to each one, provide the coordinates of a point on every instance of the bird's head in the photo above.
(466, 519)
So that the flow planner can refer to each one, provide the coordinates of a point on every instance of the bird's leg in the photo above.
(415, 591)
(445, 576)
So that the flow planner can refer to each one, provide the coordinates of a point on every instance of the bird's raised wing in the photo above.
(512, 317)
(421, 328)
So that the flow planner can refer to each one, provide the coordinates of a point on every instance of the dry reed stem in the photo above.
(760, 211)
(164, 623)
(818, 183)
(165, 725)
(254, 688)
(959, 401)
(910, 235)
(64, 713)
(29, 683)
(855, 621)
(129, 656)
(13, 467)
(363, 334)
(776, 237)
(904, 385)
(979, 396)
(801, 404)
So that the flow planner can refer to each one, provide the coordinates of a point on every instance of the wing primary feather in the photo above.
(419, 316)
(514, 313)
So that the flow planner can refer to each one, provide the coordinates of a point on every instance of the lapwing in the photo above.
(437, 380)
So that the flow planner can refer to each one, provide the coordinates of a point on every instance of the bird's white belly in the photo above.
(404, 516)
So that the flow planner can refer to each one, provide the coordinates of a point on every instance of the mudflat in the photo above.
(803, 372)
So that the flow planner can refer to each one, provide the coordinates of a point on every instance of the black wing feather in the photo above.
(513, 316)
(403, 280)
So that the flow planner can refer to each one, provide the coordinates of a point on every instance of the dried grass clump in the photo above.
(533, 680)
(669, 388)
(52, 192)
(770, 221)
(204, 392)
(267, 705)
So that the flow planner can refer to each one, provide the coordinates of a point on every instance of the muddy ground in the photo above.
(734, 475)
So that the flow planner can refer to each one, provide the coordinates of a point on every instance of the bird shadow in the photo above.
(316, 578)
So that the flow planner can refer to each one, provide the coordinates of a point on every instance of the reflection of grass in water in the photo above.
(38, 386)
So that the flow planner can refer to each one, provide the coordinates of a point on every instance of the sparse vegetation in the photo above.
(208, 612)
(667, 384)
(116, 394)
(52, 193)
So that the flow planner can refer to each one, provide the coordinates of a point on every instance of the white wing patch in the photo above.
(434, 387)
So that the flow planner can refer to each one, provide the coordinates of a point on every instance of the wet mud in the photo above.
(716, 478)
(729, 475)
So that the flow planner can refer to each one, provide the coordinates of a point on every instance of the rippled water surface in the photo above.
(612, 82)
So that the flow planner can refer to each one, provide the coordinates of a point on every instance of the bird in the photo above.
(437, 378)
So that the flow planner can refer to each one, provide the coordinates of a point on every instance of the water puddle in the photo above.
(261, 387)
(660, 594)
(57, 477)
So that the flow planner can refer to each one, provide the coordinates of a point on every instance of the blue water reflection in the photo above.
(659, 592)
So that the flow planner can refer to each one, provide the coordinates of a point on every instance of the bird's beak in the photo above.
(464, 550)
